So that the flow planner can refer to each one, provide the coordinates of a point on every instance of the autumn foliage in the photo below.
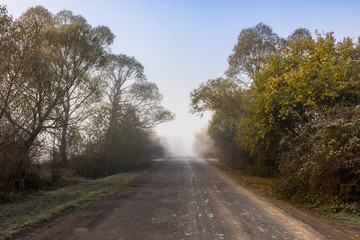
(293, 105)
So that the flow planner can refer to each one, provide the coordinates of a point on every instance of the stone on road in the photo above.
(188, 198)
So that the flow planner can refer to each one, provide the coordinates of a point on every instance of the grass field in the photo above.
(44, 205)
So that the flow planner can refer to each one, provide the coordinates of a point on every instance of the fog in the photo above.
(178, 136)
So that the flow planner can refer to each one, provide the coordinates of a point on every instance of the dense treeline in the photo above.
(66, 100)
(290, 108)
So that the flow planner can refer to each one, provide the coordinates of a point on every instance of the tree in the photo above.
(307, 78)
(47, 78)
(77, 51)
(122, 136)
(129, 92)
(225, 99)
(219, 94)
(299, 34)
(228, 98)
(253, 45)
(307, 98)
(39, 89)
(30, 93)
(298, 117)
(55, 71)
(7, 45)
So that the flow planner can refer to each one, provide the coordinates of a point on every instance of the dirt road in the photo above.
(188, 198)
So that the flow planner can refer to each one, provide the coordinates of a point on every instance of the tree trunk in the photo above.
(63, 146)
(64, 132)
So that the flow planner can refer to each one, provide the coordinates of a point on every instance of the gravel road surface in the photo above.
(189, 198)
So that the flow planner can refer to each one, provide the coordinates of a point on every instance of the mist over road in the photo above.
(188, 198)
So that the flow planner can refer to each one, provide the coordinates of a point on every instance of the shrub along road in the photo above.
(188, 198)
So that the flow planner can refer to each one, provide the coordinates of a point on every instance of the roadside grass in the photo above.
(344, 213)
(42, 206)
(348, 218)
(264, 184)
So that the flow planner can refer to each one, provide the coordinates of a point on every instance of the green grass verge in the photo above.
(44, 205)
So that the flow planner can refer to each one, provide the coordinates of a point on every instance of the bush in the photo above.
(88, 165)
(324, 159)
(18, 174)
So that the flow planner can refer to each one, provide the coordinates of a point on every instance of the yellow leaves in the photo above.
(264, 184)
(308, 75)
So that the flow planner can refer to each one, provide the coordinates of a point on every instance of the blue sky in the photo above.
(184, 43)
